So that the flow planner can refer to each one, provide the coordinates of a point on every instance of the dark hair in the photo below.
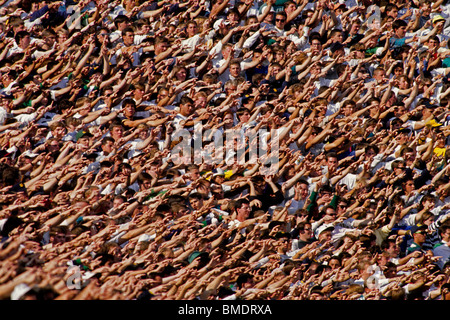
(398, 23)
(240, 202)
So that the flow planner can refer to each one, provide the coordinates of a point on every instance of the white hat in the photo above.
(146, 238)
(19, 291)
(30, 154)
(218, 172)
(322, 228)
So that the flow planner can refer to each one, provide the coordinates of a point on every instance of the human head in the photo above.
(128, 36)
(243, 209)
(162, 44)
(186, 106)
(116, 130)
(302, 188)
(196, 201)
(121, 22)
(23, 39)
(305, 231)
(193, 172)
(235, 68)
(191, 28)
(399, 28)
(280, 19)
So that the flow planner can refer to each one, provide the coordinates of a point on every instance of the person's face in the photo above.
(409, 186)
(400, 32)
(103, 36)
(446, 235)
(128, 38)
(330, 213)
(409, 156)
(107, 147)
(230, 89)
(123, 25)
(370, 153)
(117, 133)
(181, 74)
(302, 189)
(252, 20)
(316, 69)
(393, 13)
(426, 9)
(162, 94)
(379, 75)
(270, 17)
(290, 8)
(256, 56)
(279, 56)
(194, 174)
(196, 204)
(306, 234)
(200, 102)
(400, 168)
(439, 25)
(186, 109)
(244, 117)
(280, 21)
(341, 207)
(243, 212)
(145, 29)
(84, 141)
(355, 28)
(334, 264)
(25, 41)
(228, 119)
(432, 44)
(59, 238)
(233, 17)
(129, 110)
(62, 37)
(419, 237)
(191, 29)
(275, 70)
(338, 37)
(95, 195)
(59, 132)
(398, 71)
(226, 52)
(50, 40)
(359, 54)
(161, 47)
(400, 110)
(332, 163)
(235, 70)
(440, 140)
(316, 45)
(402, 137)
(326, 195)
(325, 236)
(403, 84)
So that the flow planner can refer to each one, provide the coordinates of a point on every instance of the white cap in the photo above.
(322, 228)
(19, 291)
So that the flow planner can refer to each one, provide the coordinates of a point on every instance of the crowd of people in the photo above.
(99, 202)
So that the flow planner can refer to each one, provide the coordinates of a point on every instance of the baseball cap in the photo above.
(82, 133)
(434, 123)
(437, 18)
(323, 228)
(419, 228)
(196, 254)
(218, 172)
